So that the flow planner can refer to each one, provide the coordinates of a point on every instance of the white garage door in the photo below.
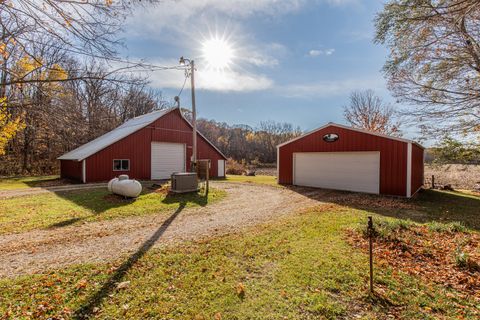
(352, 171)
(167, 158)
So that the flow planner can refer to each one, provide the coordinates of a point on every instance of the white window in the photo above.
(121, 164)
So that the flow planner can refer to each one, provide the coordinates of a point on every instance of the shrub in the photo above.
(235, 167)
(452, 227)
(389, 229)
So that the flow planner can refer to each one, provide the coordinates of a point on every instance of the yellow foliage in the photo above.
(250, 136)
(3, 50)
(8, 126)
(26, 65)
(57, 73)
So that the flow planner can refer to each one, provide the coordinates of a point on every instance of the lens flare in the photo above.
(218, 53)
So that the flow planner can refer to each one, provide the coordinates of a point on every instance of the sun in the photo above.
(218, 53)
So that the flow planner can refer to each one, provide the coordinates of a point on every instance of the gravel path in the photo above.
(245, 205)
(38, 190)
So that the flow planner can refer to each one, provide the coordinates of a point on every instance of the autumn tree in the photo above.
(434, 61)
(38, 37)
(367, 111)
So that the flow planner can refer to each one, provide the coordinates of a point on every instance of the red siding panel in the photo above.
(393, 155)
(71, 169)
(137, 147)
(417, 168)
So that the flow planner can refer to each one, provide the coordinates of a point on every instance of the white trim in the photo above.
(84, 171)
(294, 156)
(409, 170)
(278, 164)
(349, 128)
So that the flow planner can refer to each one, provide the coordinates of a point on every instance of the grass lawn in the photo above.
(299, 268)
(25, 182)
(269, 180)
(64, 208)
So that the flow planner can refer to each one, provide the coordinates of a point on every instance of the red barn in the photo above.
(344, 158)
(151, 146)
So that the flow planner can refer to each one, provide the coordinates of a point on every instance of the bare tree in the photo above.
(367, 111)
(434, 61)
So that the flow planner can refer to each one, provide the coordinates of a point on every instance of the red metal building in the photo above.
(151, 146)
(344, 158)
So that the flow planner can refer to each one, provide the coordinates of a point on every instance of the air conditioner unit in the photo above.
(184, 182)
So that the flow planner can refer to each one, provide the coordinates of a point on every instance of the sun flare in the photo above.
(218, 53)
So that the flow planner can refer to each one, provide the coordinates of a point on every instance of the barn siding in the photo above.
(71, 169)
(137, 147)
(393, 155)
(417, 168)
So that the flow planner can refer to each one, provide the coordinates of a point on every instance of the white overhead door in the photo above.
(352, 171)
(167, 158)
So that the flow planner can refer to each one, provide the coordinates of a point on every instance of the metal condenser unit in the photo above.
(184, 182)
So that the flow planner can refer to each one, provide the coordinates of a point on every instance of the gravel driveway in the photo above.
(245, 205)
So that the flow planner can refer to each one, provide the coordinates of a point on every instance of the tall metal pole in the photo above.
(194, 115)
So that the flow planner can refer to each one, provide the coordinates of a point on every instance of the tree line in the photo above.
(63, 84)
(242, 142)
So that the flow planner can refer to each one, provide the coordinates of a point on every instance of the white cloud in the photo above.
(211, 80)
(186, 15)
(332, 88)
(318, 52)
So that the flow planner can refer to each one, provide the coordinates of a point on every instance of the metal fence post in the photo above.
(370, 239)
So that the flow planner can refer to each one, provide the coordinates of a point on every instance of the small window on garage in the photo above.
(121, 164)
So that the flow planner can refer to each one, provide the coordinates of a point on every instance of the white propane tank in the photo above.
(125, 187)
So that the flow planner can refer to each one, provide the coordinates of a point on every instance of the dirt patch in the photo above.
(445, 258)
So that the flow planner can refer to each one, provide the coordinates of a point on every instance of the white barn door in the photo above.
(351, 171)
(221, 168)
(167, 158)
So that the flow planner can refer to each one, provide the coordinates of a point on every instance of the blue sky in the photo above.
(294, 61)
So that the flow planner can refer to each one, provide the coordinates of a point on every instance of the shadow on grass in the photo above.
(87, 310)
(426, 206)
(99, 200)
(193, 197)
(64, 223)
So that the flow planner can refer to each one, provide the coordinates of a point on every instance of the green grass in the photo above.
(12, 183)
(297, 268)
(268, 180)
(77, 206)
